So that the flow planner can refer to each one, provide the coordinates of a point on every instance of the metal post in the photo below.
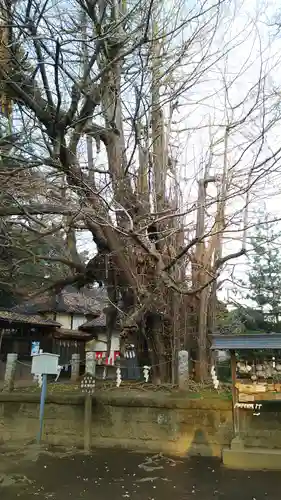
(42, 407)
(1, 337)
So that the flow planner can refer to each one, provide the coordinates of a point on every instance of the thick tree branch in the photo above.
(71, 264)
(40, 209)
(183, 252)
(23, 89)
(231, 256)
(77, 279)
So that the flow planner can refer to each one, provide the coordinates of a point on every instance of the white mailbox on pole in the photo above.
(45, 363)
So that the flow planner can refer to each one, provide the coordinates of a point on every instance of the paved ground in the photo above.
(113, 475)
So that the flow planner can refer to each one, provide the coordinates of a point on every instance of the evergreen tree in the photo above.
(264, 275)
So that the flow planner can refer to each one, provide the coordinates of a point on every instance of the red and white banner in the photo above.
(110, 360)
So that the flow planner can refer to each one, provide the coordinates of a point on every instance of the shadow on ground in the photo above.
(115, 474)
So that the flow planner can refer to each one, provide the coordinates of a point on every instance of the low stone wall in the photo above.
(173, 425)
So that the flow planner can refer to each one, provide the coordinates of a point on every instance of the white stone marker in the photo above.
(75, 367)
(183, 369)
(10, 371)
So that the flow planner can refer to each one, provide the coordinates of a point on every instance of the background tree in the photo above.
(264, 272)
(242, 319)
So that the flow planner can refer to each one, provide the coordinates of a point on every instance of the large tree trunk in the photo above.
(156, 332)
(132, 214)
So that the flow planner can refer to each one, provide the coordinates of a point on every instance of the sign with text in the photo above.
(88, 383)
(255, 407)
(35, 348)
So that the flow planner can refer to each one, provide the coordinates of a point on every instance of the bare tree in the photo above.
(101, 89)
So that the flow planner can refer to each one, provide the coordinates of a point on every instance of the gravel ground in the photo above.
(116, 474)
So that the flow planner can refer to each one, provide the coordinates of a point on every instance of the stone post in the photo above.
(75, 367)
(90, 368)
(90, 363)
(10, 371)
(183, 369)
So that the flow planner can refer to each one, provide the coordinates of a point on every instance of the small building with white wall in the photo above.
(98, 327)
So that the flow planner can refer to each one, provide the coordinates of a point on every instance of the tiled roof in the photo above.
(246, 341)
(99, 322)
(94, 323)
(66, 334)
(70, 300)
(14, 317)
